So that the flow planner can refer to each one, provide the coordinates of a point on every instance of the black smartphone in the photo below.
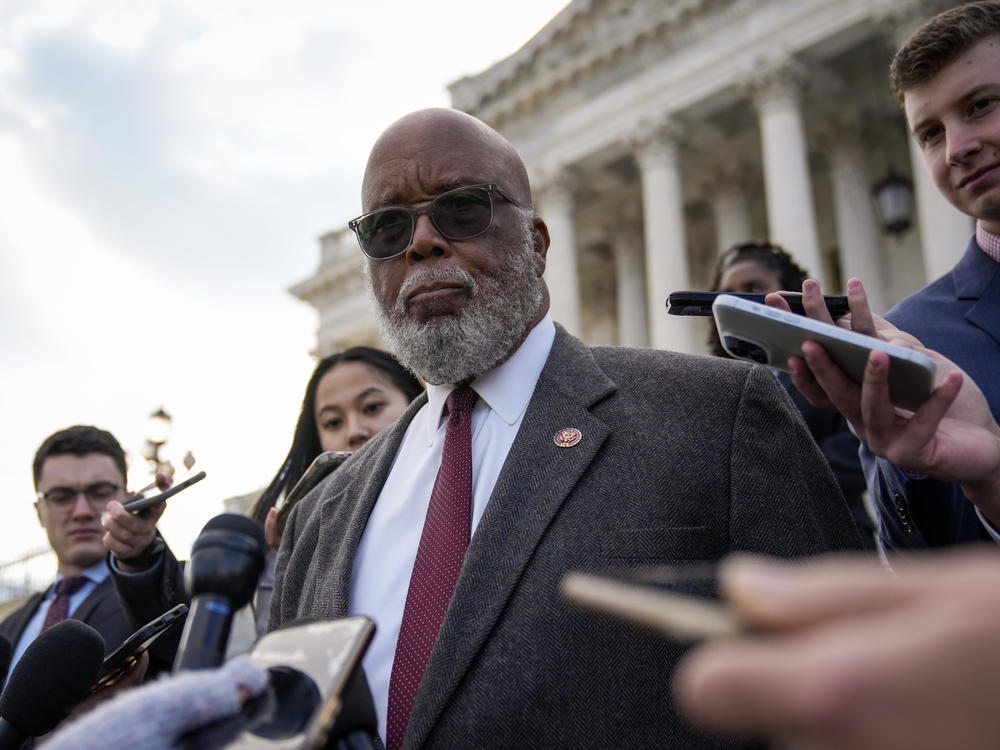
(700, 303)
(140, 502)
(119, 659)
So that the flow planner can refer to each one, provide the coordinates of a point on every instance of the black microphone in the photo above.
(226, 561)
(51, 678)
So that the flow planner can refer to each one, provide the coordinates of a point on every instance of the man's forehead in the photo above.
(404, 191)
(69, 468)
(972, 69)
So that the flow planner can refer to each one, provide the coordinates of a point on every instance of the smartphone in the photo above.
(700, 303)
(312, 665)
(681, 617)
(118, 660)
(769, 336)
(140, 502)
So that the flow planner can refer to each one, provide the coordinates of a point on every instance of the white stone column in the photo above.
(944, 230)
(854, 213)
(791, 218)
(630, 280)
(561, 274)
(728, 193)
(667, 270)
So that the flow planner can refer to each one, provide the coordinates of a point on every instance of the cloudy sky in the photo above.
(165, 171)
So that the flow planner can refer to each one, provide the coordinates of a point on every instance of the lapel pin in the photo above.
(567, 437)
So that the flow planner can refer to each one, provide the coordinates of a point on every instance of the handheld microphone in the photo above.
(226, 561)
(51, 678)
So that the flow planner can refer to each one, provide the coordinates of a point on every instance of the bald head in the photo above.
(438, 149)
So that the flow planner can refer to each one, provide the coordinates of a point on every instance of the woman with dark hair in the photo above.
(760, 268)
(351, 396)
(754, 268)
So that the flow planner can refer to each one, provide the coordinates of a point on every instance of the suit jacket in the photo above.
(100, 610)
(957, 315)
(840, 446)
(683, 459)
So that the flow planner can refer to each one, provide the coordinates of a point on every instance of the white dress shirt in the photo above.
(388, 549)
(95, 574)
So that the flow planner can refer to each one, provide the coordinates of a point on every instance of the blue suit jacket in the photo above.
(959, 316)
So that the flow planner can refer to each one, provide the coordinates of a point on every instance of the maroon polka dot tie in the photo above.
(59, 609)
(439, 559)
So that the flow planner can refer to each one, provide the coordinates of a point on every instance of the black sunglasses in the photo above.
(459, 214)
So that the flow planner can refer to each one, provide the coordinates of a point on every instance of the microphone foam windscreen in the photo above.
(53, 676)
(238, 524)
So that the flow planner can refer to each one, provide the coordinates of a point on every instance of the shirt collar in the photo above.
(95, 573)
(988, 242)
(507, 388)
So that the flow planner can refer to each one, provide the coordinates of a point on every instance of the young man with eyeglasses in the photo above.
(453, 530)
(77, 472)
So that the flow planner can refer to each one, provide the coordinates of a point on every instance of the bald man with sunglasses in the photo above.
(530, 455)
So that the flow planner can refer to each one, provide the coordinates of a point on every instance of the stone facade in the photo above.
(659, 132)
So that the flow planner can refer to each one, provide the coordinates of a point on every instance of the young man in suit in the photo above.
(947, 77)
(454, 531)
(77, 472)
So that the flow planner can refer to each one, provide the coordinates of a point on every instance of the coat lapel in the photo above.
(344, 515)
(977, 277)
(535, 481)
(18, 621)
(94, 598)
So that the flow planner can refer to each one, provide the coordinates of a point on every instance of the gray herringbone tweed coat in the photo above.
(683, 458)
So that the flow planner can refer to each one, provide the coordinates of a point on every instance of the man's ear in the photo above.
(540, 235)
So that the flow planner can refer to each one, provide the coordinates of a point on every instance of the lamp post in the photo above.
(894, 203)
(159, 433)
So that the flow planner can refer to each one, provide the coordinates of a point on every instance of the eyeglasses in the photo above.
(97, 494)
(459, 214)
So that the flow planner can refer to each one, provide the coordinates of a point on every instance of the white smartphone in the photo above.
(769, 336)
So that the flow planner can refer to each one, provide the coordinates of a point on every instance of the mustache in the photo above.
(422, 276)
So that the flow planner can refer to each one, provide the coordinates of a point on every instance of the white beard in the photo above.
(494, 320)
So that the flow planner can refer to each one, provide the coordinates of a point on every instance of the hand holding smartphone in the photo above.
(118, 661)
(140, 502)
(769, 336)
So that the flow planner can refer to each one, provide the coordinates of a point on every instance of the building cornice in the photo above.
(585, 39)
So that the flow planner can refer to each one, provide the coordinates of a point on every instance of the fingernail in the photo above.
(105, 517)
